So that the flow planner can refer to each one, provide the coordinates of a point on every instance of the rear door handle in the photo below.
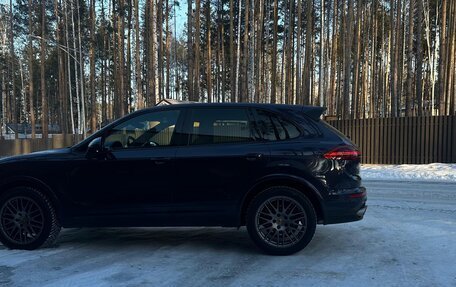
(254, 156)
(160, 160)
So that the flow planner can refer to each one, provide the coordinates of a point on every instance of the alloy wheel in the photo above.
(22, 220)
(281, 221)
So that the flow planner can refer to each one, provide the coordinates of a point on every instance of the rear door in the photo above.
(222, 160)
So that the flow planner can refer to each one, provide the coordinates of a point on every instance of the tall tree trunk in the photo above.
(442, 59)
(76, 73)
(289, 74)
(197, 50)
(308, 68)
(121, 93)
(93, 110)
(104, 70)
(356, 62)
(160, 49)
(348, 105)
(321, 77)
(68, 64)
(419, 58)
(81, 70)
(251, 63)
(274, 54)
(209, 56)
(190, 54)
(298, 53)
(243, 96)
(451, 59)
(31, 74)
(138, 79)
(151, 32)
(168, 53)
(409, 96)
(14, 110)
(259, 8)
(374, 71)
(238, 54)
(128, 90)
(44, 100)
(223, 59)
(233, 71)
(334, 50)
(395, 67)
(62, 88)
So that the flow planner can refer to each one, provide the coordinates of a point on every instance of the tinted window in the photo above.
(308, 126)
(214, 126)
(148, 130)
(273, 127)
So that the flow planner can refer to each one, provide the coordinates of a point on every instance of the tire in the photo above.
(281, 220)
(28, 220)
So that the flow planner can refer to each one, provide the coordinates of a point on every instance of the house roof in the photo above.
(166, 102)
(27, 128)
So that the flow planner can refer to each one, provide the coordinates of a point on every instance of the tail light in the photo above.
(343, 153)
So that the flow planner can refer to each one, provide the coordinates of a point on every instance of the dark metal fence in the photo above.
(413, 140)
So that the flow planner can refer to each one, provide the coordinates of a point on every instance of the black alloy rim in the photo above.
(281, 221)
(22, 220)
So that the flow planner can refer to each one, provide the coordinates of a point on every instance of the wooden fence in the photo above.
(414, 140)
(23, 146)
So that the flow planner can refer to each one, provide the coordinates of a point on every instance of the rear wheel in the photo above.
(27, 219)
(281, 220)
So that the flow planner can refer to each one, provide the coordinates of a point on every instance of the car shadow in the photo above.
(219, 239)
(334, 240)
(201, 239)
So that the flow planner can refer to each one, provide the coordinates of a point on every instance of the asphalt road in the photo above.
(408, 238)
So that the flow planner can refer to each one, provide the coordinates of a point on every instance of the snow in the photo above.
(406, 239)
(410, 172)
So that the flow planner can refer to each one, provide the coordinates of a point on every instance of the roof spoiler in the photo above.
(313, 112)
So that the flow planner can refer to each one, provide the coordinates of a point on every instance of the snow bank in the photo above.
(418, 172)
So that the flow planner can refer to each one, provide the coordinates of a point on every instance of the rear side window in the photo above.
(273, 127)
(217, 126)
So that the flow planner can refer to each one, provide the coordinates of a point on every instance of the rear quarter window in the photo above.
(273, 127)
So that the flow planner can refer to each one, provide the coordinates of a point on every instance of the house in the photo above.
(24, 130)
(166, 102)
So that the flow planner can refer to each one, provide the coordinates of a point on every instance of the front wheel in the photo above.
(281, 221)
(27, 219)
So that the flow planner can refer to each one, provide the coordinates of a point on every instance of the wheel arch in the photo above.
(32, 182)
(300, 184)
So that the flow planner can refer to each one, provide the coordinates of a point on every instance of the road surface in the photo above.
(408, 238)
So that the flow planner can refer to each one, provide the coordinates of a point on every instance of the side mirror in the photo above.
(95, 149)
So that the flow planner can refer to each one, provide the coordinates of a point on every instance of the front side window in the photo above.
(144, 131)
(216, 126)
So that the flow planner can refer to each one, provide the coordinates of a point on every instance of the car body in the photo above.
(195, 165)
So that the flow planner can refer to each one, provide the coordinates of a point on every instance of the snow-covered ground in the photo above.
(411, 172)
(407, 238)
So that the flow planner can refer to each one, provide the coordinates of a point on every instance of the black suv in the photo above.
(277, 169)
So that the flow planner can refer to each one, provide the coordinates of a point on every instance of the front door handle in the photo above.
(254, 156)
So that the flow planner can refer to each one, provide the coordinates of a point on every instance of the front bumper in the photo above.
(346, 207)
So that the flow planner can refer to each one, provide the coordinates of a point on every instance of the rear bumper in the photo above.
(347, 207)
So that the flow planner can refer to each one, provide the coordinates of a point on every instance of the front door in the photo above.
(137, 175)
